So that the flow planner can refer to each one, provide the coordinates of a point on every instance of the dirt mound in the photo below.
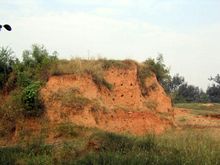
(123, 108)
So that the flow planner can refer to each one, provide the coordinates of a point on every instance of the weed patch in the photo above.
(67, 130)
(71, 97)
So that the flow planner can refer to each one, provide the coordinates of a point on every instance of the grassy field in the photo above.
(183, 148)
(200, 108)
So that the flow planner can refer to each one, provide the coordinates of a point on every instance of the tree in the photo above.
(159, 69)
(6, 64)
(175, 82)
(180, 91)
(213, 91)
(36, 64)
(189, 93)
(216, 79)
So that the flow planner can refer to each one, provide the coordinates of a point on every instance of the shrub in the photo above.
(37, 63)
(159, 68)
(23, 79)
(31, 100)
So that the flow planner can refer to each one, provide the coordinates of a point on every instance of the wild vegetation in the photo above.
(71, 97)
(109, 148)
(21, 81)
(182, 92)
(201, 109)
(27, 76)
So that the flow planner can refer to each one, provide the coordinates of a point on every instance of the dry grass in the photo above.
(143, 72)
(70, 97)
(151, 104)
(95, 68)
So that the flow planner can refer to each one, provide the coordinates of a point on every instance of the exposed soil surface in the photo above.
(122, 109)
(185, 119)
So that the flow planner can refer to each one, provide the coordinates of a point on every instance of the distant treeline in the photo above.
(181, 91)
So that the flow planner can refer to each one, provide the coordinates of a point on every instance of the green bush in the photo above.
(31, 100)
(23, 79)
(160, 70)
(36, 64)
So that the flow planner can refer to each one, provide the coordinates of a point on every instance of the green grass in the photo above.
(190, 148)
(34, 152)
(200, 108)
(182, 148)
(67, 130)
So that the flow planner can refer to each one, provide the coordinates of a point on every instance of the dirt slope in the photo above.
(122, 109)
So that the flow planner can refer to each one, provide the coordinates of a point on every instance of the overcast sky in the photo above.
(186, 32)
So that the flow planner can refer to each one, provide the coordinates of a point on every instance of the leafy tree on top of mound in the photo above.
(35, 66)
(160, 69)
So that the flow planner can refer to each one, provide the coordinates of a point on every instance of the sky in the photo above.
(186, 32)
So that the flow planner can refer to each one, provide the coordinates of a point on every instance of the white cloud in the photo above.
(98, 2)
(73, 34)
(78, 32)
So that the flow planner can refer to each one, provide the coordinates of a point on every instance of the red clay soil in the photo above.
(127, 109)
